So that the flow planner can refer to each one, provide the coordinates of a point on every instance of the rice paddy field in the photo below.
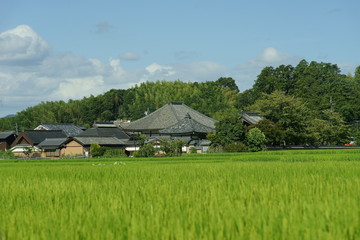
(311, 194)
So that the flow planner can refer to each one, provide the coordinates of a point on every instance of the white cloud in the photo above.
(156, 68)
(247, 73)
(193, 71)
(130, 56)
(29, 73)
(71, 88)
(269, 57)
(272, 55)
(22, 44)
(115, 64)
(61, 76)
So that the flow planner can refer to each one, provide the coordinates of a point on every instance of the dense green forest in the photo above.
(320, 86)
(213, 98)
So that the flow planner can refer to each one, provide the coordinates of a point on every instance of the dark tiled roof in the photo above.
(100, 140)
(5, 135)
(37, 136)
(69, 128)
(166, 116)
(52, 142)
(104, 132)
(187, 125)
(250, 117)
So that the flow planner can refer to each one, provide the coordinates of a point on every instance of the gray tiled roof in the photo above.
(69, 128)
(100, 140)
(166, 116)
(187, 125)
(104, 132)
(37, 136)
(52, 142)
(4, 135)
(250, 117)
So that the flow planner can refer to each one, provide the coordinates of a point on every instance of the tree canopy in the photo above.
(296, 100)
(212, 98)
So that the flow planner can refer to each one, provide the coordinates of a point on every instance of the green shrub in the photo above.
(147, 150)
(109, 153)
(96, 150)
(255, 140)
(235, 147)
(7, 155)
(193, 150)
(172, 148)
(214, 148)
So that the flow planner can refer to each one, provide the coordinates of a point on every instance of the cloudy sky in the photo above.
(60, 50)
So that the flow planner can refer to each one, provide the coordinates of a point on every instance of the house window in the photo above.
(53, 153)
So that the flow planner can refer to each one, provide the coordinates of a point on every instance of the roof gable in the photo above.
(34, 137)
(250, 118)
(6, 134)
(168, 115)
(187, 125)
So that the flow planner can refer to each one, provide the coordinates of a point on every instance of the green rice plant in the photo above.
(265, 195)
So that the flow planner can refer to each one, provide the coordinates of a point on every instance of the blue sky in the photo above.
(57, 50)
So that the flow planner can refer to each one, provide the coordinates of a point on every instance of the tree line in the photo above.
(296, 101)
(212, 98)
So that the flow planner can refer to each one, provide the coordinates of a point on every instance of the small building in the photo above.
(81, 145)
(106, 135)
(30, 139)
(53, 147)
(6, 139)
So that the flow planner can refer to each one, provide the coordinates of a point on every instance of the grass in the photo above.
(269, 195)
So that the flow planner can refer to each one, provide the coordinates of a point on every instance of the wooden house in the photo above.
(105, 134)
(81, 145)
(6, 139)
(30, 139)
(53, 147)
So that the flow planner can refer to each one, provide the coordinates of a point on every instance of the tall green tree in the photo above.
(290, 113)
(229, 83)
(228, 130)
(330, 130)
(275, 134)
